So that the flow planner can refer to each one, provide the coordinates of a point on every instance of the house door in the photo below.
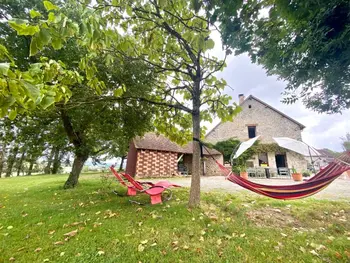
(281, 160)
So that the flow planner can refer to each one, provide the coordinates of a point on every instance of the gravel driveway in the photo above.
(339, 189)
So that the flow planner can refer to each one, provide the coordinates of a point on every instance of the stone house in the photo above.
(259, 118)
(156, 156)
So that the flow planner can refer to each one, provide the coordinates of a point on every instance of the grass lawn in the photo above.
(36, 213)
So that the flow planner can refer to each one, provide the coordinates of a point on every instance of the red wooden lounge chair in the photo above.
(131, 189)
(155, 191)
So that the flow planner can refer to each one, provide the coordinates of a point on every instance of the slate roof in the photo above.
(152, 141)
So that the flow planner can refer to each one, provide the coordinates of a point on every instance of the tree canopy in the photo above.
(305, 42)
(102, 112)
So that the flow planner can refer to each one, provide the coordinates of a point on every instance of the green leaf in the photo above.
(118, 92)
(31, 90)
(23, 29)
(57, 43)
(210, 44)
(34, 14)
(47, 101)
(4, 68)
(44, 36)
(50, 6)
(33, 49)
(13, 114)
(129, 10)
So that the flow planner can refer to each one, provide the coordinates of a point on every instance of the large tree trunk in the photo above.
(121, 163)
(11, 160)
(78, 164)
(31, 165)
(2, 159)
(47, 168)
(19, 163)
(195, 191)
(56, 161)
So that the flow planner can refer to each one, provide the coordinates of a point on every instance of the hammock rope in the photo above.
(287, 192)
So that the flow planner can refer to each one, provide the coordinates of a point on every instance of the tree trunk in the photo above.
(31, 165)
(47, 169)
(19, 164)
(195, 191)
(56, 161)
(121, 163)
(73, 178)
(2, 159)
(11, 160)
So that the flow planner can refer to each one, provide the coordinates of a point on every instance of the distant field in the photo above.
(41, 222)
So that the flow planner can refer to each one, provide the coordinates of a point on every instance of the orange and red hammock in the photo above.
(307, 188)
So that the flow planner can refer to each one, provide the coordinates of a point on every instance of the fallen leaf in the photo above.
(71, 233)
(62, 254)
(140, 248)
(284, 235)
(302, 249)
(347, 253)
(174, 243)
(219, 242)
(12, 259)
(144, 242)
(100, 253)
(76, 223)
(154, 244)
(37, 249)
(21, 248)
(338, 255)
(313, 252)
(58, 243)
(9, 227)
(97, 213)
(46, 260)
(185, 247)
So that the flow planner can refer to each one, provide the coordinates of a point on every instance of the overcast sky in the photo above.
(322, 130)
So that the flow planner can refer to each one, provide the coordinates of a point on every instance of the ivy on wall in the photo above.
(227, 147)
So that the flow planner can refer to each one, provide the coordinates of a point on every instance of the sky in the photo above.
(322, 130)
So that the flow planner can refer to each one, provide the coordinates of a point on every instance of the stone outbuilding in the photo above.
(156, 156)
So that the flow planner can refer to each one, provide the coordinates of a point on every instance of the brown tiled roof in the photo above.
(189, 149)
(152, 141)
(325, 152)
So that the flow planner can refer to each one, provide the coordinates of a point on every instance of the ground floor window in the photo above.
(263, 160)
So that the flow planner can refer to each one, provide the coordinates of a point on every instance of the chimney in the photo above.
(241, 98)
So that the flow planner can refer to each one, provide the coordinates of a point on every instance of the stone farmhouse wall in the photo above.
(293, 160)
(268, 124)
(211, 168)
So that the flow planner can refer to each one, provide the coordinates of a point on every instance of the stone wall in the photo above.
(156, 163)
(268, 124)
(211, 167)
(297, 161)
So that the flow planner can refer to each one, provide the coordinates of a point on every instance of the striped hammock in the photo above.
(307, 188)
